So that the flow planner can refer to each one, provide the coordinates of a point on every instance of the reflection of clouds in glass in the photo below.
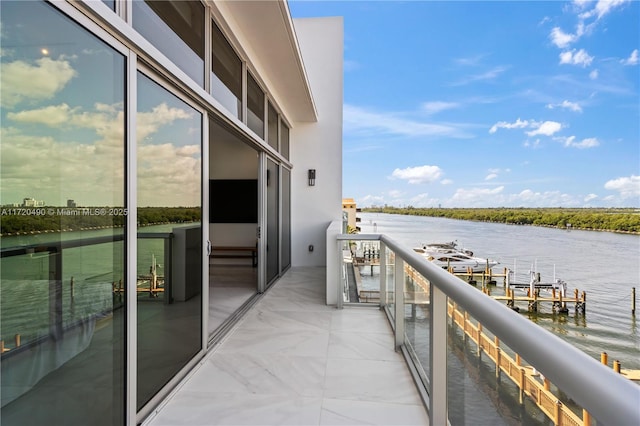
(22, 81)
(64, 164)
(148, 122)
(169, 174)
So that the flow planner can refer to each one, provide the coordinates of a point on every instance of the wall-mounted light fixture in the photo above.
(312, 177)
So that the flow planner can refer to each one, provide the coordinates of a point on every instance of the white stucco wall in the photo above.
(318, 145)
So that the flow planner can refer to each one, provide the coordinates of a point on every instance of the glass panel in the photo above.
(286, 218)
(273, 127)
(110, 3)
(487, 395)
(272, 220)
(62, 182)
(226, 78)
(176, 28)
(391, 263)
(233, 223)
(284, 140)
(169, 258)
(418, 320)
(255, 107)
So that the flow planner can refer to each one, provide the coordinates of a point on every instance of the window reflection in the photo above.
(284, 140)
(255, 106)
(169, 258)
(226, 78)
(62, 179)
(176, 28)
(273, 127)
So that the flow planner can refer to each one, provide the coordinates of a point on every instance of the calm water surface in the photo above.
(605, 265)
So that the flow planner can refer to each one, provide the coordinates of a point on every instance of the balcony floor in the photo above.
(292, 360)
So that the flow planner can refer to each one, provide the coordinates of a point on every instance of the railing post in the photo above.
(438, 410)
(398, 300)
(339, 284)
(55, 292)
(383, 275)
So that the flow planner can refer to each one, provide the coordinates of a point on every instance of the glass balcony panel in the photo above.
(391, 257)
(513, 393)
(417, 321)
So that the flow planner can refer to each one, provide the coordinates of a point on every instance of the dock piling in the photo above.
(633, 300)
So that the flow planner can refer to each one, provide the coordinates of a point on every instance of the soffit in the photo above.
(265, 31)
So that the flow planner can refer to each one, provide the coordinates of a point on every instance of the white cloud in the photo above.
(570, 141)
(593, 75)
(437, 106)
(371, 200)
(416, 175)
(395, 193)
(22, 81)
(573, 57)
(632, 59)
(573, 106)
(590, 197)
(602, 8)
(488, 75)
(547, 128)
(561, 39)
(627, 187)
(446, 182)
(491, 176)
(518, 124)
(472, 196)
(358, 119)
(532, 144)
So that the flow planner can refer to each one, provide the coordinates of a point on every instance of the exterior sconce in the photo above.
(312, 177)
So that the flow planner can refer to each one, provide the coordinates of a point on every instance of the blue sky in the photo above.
(489, 104)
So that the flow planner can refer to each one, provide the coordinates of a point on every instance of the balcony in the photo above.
(294, 360)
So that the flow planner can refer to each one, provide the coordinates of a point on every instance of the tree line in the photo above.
(625, 220)
(58, 219)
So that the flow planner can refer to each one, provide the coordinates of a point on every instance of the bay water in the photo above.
(605, 265)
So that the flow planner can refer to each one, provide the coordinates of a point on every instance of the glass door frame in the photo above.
(134, 416)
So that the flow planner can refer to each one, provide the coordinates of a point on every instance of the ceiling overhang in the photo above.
(266, 33)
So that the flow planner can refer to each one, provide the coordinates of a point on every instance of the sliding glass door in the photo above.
(169, 245)
(273, 220)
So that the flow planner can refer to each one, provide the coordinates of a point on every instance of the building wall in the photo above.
(318, 145)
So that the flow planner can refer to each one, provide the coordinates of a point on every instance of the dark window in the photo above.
(255, 106)
(226, 78)
(176, 28)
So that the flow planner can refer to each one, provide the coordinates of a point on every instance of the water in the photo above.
(604, 265)
(24, 288)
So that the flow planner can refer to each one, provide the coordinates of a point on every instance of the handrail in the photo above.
(608, 396)
(80, 242)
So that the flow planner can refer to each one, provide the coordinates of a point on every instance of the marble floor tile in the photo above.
(292, 360)
(197, 409)
(343, 412)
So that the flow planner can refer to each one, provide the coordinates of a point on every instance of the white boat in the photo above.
(448, 256)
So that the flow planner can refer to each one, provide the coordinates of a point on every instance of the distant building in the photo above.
(32, 202)
(349, 207)
(71, 203)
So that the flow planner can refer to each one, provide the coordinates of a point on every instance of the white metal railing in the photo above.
(607, 396)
